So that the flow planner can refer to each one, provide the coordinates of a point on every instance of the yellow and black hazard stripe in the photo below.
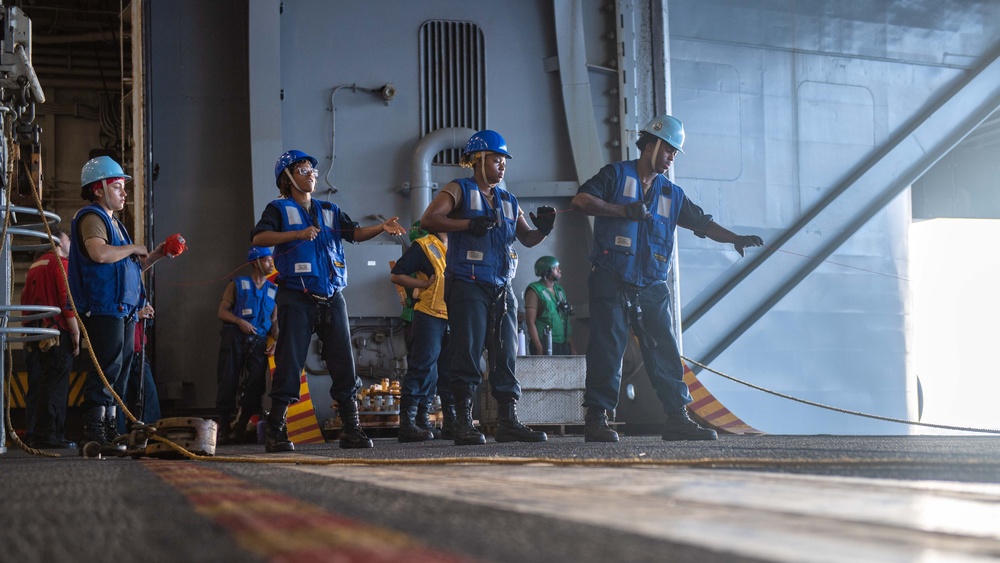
(19, 389)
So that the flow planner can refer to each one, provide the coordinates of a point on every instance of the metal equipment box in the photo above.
(369, 292)
(551, 391)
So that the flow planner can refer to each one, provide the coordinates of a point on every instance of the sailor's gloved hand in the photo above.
(743, 241)
(636, 211)
(479, 226)
(545, 220)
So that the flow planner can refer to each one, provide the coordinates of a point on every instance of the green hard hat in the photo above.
(416, 232)
(544, 264)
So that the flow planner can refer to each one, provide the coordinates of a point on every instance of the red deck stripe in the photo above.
(280, 528)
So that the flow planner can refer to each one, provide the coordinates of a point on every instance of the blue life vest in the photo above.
(254, 305)
(638, 250)
(315, 266)
(107, 290)
(490, 259)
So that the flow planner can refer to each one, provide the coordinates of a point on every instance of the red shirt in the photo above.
(45, 285)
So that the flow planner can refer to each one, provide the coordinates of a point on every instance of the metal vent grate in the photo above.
(452, 79)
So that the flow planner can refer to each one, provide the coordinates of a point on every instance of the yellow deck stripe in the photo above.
(705, 405)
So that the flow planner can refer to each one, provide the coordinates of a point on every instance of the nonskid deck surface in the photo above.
(773, 498)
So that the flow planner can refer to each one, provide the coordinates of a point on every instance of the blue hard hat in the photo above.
(668, 128)
(287, 159)
(486, 140)
(101, 168)
(258, 252)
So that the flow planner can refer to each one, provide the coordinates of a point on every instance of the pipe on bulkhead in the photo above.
(421, 186)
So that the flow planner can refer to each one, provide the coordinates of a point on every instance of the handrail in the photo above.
(31, 333)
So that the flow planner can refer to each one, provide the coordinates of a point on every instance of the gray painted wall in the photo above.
(200, 141)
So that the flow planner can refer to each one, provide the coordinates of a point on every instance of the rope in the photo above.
(840, 410)
(701, 462)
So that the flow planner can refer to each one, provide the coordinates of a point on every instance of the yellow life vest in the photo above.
(431, 300)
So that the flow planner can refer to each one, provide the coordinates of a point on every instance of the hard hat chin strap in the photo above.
(104, 186)
(652, 157)
(481, 157)
(294, 183)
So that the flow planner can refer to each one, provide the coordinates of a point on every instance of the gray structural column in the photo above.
(264, 52)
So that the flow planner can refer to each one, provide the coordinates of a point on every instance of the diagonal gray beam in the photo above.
(892, 168)
(577, 102)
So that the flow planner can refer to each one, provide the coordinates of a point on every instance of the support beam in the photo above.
(577, 102)
(750, 293)
(264, 54)
(140, 145)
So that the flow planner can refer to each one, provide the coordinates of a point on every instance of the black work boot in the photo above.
(409, 431)
(93, 426)
(96, 429)
(351, 435)
(111, 422)
(595, 427)
(242, 432)
(224, 436)
(276, 432)
(679, 426)
(448, 419)
(510, 429)
(464, 433)
(423, 420)
(52, 443)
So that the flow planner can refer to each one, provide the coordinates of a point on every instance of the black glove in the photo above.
(743, 241)
(545, 220)
(479, 226)
(636, 211)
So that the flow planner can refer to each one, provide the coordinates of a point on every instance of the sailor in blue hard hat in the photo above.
(308, 237)
(482, 221)
(249, 328)
(636, 211)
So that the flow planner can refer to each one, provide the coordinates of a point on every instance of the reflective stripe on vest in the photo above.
(638, 250)
(489, 259)
(109, 290)
(316, 266)
(254, 305)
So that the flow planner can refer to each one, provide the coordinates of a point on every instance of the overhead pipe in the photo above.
(47, 70)
(72, 58)
(82, 84)
(103, 56)
(421, 186)
(89, 37)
